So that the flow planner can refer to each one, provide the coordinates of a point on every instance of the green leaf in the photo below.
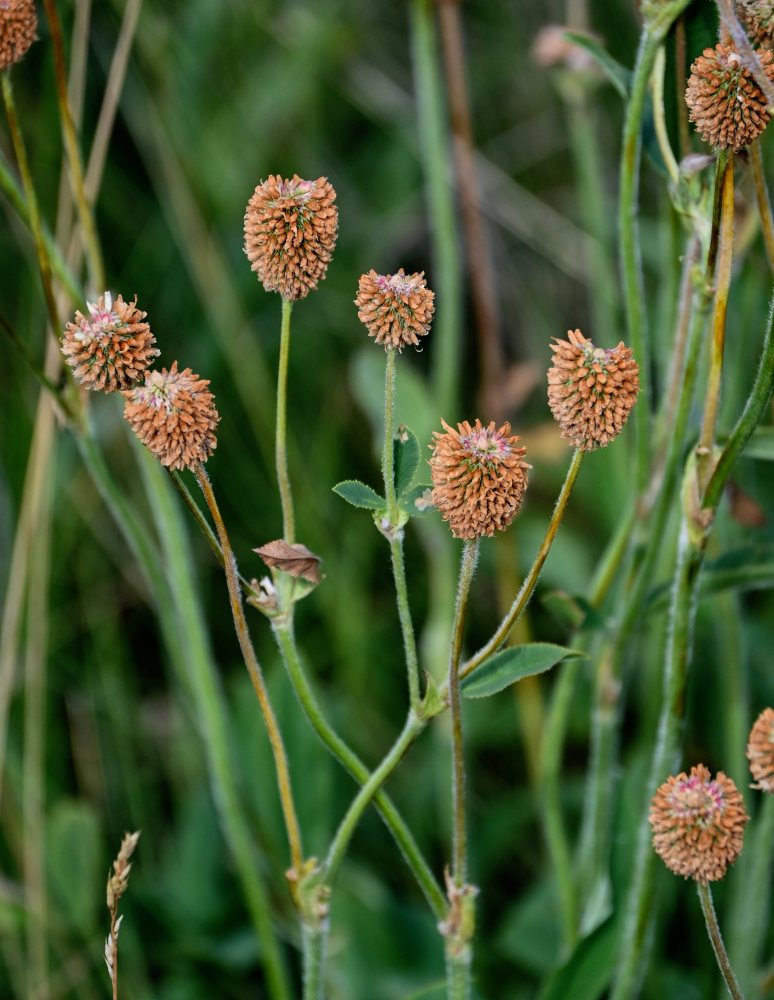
(406, 458)
(761, 444)
(417, 501)
(618, 75)
(359, 495)
(587, 972)
(512, 664)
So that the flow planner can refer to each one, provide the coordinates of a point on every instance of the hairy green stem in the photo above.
(314, 943)
(283, 631)
(388, 449)
(281, 451)
(395, 532)
(751, 416)
(532, 577)
(351, 762)
(653, 34)
(711, 920)
(460, 841)
(458, 976)
(256, 675)
(659, 121)
(706, 444)
(649, 536)
(406, 625)
(199, 669)
(346, 828)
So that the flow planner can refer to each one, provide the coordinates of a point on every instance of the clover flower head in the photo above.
(479, 477)
(591, 391)
(396, 309)
(726, 104)
(111, 347)
(698, 824)
(174, 416)
(290, 233)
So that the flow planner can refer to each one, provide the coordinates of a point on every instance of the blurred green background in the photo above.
(217, 96)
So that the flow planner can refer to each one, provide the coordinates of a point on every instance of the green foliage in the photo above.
(512, 664)
(129, 706)
(359, 495)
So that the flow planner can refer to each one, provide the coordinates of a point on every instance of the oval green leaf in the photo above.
(512, 664)
(359, 495)
(406, 458)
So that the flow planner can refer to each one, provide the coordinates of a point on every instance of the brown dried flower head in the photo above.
(18, 27)
(757, 19)
(397, 309)
(591, 390)
(698, 824)
(760, 751)
(479, 477)
(727, 105)
(111, 347)
(290, 232)
(174, 416)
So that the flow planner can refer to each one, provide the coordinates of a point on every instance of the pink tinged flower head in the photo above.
(111, 347)
(174, 416)
(18, 30)
(698, 824)
(479, 477)
(290, 233)
(396, 309)
(591, 391)
(760, 751)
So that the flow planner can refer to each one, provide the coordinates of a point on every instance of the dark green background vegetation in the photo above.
(219, 95)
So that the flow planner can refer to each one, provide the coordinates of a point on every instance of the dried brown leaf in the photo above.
(295, 559)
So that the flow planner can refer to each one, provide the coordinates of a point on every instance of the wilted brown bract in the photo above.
(295, 559)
